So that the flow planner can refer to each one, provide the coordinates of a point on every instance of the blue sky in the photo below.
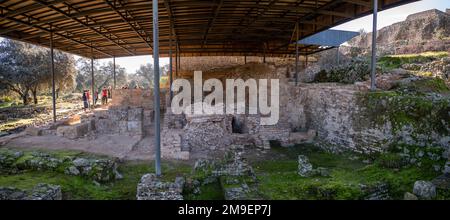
(385, 18)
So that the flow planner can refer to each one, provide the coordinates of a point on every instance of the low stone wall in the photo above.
(97, 169)
(209, 135)
(152, 188)
(137, 98)
(39, 192)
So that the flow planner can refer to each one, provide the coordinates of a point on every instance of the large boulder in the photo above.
(424, 189)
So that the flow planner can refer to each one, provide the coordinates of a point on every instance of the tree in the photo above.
(26, 68)
(145, 75)
(17, 68)
(103, 75)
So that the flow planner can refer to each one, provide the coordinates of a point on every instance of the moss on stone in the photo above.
(423, 113)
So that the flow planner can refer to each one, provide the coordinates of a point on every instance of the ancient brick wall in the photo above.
(136, 98)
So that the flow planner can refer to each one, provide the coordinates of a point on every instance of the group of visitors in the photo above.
(106, 94)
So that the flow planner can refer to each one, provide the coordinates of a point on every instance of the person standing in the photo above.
(95, 98)
(104, 96)
(88, 96)
(85, 101)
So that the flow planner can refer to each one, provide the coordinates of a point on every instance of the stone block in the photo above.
(122, 127)
(91, 124)
(148, 117)
(106, 126)
(135, 127)
(74, 131)
(135, 114)
(33, 131)
(118, 114)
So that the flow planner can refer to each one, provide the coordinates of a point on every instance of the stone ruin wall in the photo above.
(341, 121)
(327, 111)
(137, 98)
(329, 114)
(131, 112)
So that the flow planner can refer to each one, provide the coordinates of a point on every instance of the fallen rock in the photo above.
(322, 171)
(410, 196)
(46, 192)
(305, 169)
(424, 189)
(378, 191)
(442, 182)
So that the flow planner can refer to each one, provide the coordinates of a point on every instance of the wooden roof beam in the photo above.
(359, 2)
(211, 23)
(17, 21)
(29, 8)
(172, 21)
(145, 38)
(84, 24)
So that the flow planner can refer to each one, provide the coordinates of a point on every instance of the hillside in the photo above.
(420, 32)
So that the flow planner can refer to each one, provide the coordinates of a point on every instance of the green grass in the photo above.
(211, 191)
(5, 104)
(278, 179)
(78, 188)
(428, 85)
(396, 61)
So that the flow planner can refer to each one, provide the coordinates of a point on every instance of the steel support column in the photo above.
(114, 71)
(170, 63)
(176, 59)
(296, 55)
(374, 47)
(92, 79)
(179, 58)
(156, 90)
(53, 76)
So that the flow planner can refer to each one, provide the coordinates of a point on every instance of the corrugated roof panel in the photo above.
(332, 38)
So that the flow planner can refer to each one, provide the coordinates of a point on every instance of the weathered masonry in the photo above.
(113, 28)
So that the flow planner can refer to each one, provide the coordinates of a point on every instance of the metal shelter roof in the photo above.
(115, 28)
(332, 38)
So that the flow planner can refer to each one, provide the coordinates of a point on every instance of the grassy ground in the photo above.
(64, 106)
(396, 61)
(278, 179)
(77, 188)
(276, 173)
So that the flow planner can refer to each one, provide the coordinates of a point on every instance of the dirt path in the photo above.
(118, 146)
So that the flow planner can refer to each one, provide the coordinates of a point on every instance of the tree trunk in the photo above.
(34, 92)
(25, 99)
